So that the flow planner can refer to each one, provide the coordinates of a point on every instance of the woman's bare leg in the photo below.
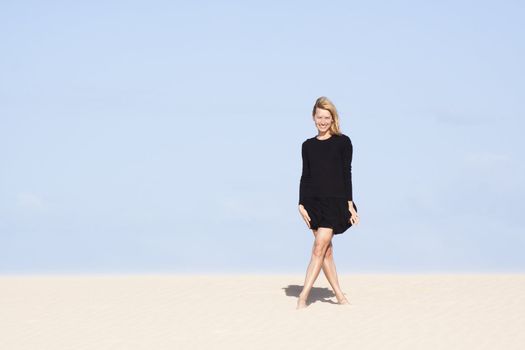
(331, 273)
(321, 243)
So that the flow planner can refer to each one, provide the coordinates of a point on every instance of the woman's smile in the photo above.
(323, 119)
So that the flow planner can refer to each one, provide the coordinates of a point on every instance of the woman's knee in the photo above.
(329, 251)
(321, 246)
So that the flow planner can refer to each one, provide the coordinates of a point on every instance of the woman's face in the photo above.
(323, 119)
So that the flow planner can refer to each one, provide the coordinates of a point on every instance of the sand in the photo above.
(178, 312)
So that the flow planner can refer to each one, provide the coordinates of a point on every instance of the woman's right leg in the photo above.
(321, 243)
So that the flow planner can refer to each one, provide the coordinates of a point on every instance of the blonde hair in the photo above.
(324, 103)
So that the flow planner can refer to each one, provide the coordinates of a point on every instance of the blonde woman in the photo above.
(325, 194)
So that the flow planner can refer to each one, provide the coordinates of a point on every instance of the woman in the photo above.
(325, 194)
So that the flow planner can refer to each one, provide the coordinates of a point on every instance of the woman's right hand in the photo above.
(304, 214)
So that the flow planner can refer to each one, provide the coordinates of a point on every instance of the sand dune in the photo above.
(258, 312)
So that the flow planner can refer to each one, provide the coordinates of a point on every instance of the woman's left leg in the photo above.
(331, 274)
(322, 240)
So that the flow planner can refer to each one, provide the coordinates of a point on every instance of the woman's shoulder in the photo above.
(306, 143)
(309, 140)
(345, 137)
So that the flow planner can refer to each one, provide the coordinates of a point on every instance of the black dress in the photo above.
(326, 182)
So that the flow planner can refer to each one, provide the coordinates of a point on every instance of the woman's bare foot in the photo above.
(301, 302)
(341, 299)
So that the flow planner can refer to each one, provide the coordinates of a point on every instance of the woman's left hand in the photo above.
(354, 217)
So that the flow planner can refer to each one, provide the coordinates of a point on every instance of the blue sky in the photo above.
(165, 136)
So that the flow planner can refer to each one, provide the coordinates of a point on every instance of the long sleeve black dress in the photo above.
(326, 181)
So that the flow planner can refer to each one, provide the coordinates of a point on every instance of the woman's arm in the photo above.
(347, 168)
(305, 175)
